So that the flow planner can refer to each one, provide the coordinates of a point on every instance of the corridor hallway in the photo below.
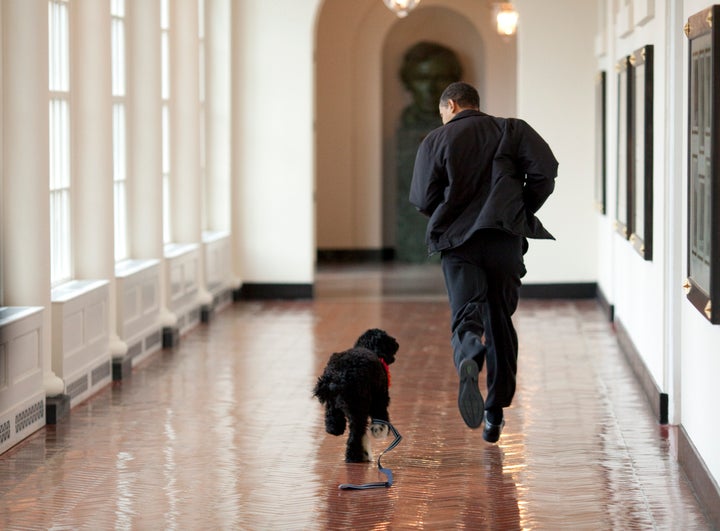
(222, 432)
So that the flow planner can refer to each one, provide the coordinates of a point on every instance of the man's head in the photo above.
(458, 97)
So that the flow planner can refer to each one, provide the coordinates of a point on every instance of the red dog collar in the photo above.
(387, 369)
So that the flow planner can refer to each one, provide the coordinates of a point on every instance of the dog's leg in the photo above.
(379, 411)
(359, 450)
(358, 447)
(334, 421)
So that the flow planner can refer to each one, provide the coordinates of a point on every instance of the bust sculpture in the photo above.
(427, 69)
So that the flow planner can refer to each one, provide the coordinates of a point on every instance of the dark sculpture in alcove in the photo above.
(426, 70)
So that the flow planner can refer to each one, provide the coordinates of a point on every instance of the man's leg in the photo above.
(467, 288)
(467, 293)
(504, 269)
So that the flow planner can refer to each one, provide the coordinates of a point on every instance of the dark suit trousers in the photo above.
(482, 277)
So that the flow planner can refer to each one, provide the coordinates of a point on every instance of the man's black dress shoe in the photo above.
(491, 432)
(470, 401)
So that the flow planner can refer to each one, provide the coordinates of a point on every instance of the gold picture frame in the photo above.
(702, 286)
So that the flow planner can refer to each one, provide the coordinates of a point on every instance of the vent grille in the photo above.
(5, 431)
(135, 350)
(78, 387)
(29, 416)
(100, 372)
(153, 339)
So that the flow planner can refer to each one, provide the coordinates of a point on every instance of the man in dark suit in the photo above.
(480, 180)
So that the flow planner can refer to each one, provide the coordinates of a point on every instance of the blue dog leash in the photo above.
(386, 471)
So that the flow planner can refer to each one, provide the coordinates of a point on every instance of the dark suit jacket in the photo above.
(479, 172)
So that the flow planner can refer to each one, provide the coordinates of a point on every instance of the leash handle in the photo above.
(386, 471)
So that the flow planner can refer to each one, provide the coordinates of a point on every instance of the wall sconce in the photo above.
(507, 19)
(401, 7)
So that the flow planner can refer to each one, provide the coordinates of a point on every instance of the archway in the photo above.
(358, 98)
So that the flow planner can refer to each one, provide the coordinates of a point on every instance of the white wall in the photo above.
(556, 72)
(605, 53)
(347, 101)
(635, 285)
(273, 140)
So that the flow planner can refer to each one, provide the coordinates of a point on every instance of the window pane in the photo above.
(118, 142)
(201, 19)
(164, 14)
(118, 57)
(165, 66)
(59, 140)
(121, 251)
(165, 95)
(119, 179)
(166, 209)
(117, 8)
(58, 46)
(165, 140)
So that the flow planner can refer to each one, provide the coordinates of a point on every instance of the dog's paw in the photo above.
(379, 431)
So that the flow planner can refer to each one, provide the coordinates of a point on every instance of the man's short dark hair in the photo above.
(464, 94)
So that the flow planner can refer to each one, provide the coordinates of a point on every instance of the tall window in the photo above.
(117, 11)
(165, 95)
(59, 94)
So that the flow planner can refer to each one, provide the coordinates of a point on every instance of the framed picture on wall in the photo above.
(624, 147)
(641, 179)
(702, 286)
(600, 142)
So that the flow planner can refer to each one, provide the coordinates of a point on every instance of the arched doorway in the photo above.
(359, 97)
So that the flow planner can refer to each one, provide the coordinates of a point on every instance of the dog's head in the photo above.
(378, 341)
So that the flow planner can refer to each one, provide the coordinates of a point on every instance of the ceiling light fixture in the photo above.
(507, 19)
(401, 7)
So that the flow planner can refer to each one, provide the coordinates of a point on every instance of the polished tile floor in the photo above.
(222, 432)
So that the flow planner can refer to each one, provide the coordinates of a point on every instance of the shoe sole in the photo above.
(470, 401)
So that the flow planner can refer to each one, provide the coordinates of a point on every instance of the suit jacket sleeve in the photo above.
(429, 180)
(536, 160)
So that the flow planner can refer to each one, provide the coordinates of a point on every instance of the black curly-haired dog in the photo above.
(354, 387)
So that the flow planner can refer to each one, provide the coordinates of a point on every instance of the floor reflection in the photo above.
(223, 433)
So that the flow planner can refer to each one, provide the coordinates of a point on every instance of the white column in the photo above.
(144, 121)
(93, 164)
(237, 144)
(672, 259)
(217, 113)
(185, 190)
(26, 199)
(185, 121)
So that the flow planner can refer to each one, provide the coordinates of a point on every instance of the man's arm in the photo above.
(537, 161)
(428, 182)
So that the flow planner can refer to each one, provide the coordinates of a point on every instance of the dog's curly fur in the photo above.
(354, 387)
